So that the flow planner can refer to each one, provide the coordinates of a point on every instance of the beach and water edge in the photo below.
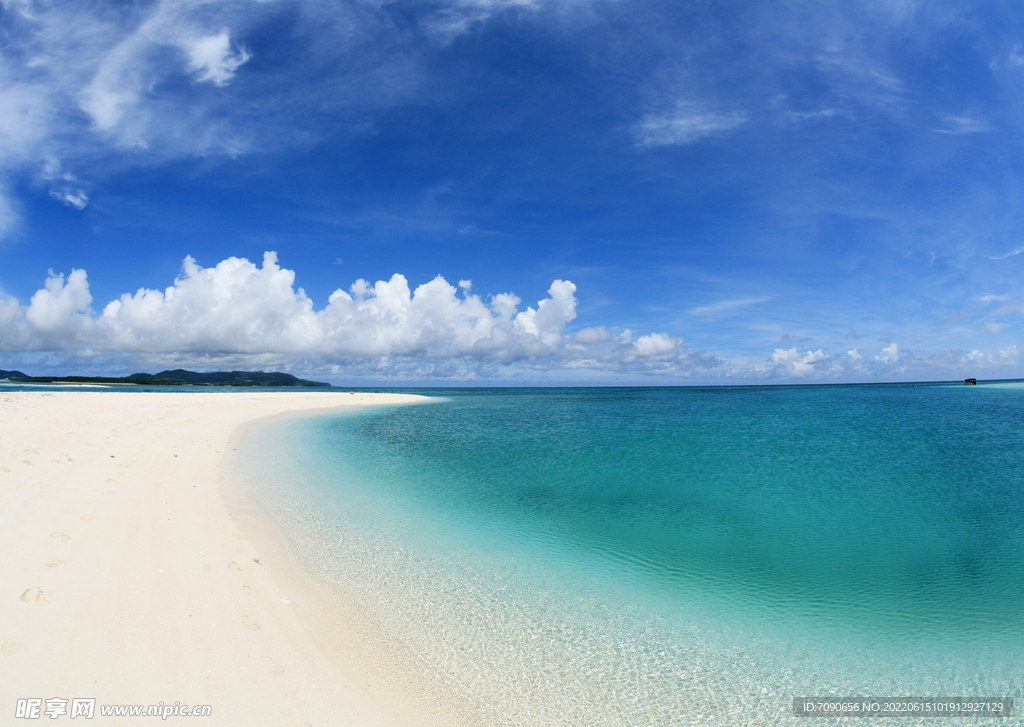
(650, 556)
(548, 557)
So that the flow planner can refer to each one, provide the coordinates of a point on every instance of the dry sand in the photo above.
(126, 577)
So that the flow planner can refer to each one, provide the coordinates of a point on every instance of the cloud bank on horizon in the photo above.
(240, 314)
(815, 191)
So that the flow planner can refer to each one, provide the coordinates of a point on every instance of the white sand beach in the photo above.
(127, 576)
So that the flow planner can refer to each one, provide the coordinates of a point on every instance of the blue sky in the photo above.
(698, 192)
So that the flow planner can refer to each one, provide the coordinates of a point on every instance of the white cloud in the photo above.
(1015, 251)
(790, 363)
(684, 126)
(211, 58)
(92, 88)
(964, 125)
(457, 17)
(236, 307)
(890, 354)
(801, 116)
(656, 345)
(24, 121)
(726, 306)
(1008, 307)
(859, 77)
(240, 314)
(237, 314)
(1007, 356)
(57, 316)
(588, 336)
(127, 63)
(891, 364)
(77, 198)
(1013, 60)
(81, 81)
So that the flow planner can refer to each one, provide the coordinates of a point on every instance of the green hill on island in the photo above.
(230, 378)
(176, 377)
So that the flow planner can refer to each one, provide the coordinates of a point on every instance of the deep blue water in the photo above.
(658, 552)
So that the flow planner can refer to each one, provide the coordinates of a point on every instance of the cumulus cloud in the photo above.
(790, 363)
(890, 354)
(237, 314)
(237, 307)
(890, 364)
(655, 345)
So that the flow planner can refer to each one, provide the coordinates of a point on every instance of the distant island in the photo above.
(174, 377)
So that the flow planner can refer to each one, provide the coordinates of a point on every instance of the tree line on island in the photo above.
(173, 377)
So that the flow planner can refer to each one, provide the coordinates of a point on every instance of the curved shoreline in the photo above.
(129, 577)
(406, 691)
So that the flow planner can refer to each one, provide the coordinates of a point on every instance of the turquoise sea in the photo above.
(671, 556)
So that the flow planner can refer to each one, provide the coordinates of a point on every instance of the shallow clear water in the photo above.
(673, 556)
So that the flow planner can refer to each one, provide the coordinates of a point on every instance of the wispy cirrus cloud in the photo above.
(95, 88)
(685, 126)
(72, 198)
(81, 84)
(1015, 251)
(727, 306)
(964, 125)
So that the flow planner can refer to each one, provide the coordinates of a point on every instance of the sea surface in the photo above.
(672, 556)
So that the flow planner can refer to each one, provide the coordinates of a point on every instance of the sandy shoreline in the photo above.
(125, 577)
